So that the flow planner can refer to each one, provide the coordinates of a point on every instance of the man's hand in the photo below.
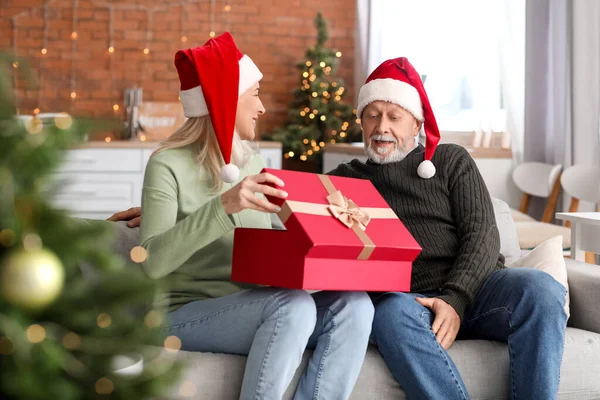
(132, 215)
(446, 323)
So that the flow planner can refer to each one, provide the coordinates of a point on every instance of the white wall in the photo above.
(496, 173)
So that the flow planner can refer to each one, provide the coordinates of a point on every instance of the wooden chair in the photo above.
(537, 179)
(582, 183)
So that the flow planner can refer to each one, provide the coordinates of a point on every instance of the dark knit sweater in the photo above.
(450, 215)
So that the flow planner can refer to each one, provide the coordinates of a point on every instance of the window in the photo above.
(460, 49)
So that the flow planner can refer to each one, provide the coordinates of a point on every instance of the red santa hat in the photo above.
(212, 77)
(397, 81)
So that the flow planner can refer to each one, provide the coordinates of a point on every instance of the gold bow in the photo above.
(346, 211)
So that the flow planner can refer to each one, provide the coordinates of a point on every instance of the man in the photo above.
(460, 286)
(132, 216)
(459, 283)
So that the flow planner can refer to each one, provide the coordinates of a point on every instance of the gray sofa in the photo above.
(484, 365)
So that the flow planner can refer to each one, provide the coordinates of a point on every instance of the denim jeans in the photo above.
(522, 307)
(273, 327)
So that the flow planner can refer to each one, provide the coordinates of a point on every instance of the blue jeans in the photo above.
(273, 327)
(522, 307)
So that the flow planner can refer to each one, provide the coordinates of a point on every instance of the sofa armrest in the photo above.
(584, 292)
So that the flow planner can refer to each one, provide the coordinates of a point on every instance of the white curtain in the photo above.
(586, 82)
(548, 77)
(512, 78)
(361, 44)
(562, 101)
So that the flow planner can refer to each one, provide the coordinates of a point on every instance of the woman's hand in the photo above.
(243, 195)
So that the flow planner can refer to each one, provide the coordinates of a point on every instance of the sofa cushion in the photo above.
(531, 234)
(584, 294)
(547, 257)
(126, 239)
(483, 365)
(509, 241)
(518, 216)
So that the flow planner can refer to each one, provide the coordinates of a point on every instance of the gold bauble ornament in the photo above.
(31, 279)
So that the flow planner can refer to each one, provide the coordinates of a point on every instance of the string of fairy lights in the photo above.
(111, 49)
(44, 46)
(74, 48)
(112, 45)
(183, 22)
(13, 23)
(212, 18)
(226, 15)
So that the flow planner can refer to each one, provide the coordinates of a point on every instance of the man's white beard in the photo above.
(379, 156)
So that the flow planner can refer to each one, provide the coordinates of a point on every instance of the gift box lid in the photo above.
(336, 217)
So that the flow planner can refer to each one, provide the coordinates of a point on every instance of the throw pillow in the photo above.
(548, 257)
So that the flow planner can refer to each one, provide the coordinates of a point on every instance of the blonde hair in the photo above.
(198, 133)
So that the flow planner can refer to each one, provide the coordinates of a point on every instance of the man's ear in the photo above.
(418, 125)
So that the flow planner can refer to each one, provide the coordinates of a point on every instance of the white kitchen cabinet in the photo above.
(99, 179)
(103, 160)
(98, 195)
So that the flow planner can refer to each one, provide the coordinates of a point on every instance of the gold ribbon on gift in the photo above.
(346, 211)
(343, 209)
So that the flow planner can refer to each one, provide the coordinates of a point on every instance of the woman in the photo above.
(191, 205)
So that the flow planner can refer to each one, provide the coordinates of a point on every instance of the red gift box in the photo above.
(340, 235)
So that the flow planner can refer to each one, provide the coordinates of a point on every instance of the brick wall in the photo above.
(274, 33)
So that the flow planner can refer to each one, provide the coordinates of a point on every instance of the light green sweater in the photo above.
(185, 230)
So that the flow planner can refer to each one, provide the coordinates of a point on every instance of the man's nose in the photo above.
(383, 126)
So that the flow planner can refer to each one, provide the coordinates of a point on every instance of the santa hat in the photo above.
(397, 81)
(212, 78)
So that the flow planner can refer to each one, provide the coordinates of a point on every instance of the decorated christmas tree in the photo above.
(65, 334)
(318, 114)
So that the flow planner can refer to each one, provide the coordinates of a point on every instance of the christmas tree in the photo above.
(317, 114)
(63, 334)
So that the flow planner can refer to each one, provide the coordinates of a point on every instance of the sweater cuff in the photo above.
(456, 300)
(226, 220)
